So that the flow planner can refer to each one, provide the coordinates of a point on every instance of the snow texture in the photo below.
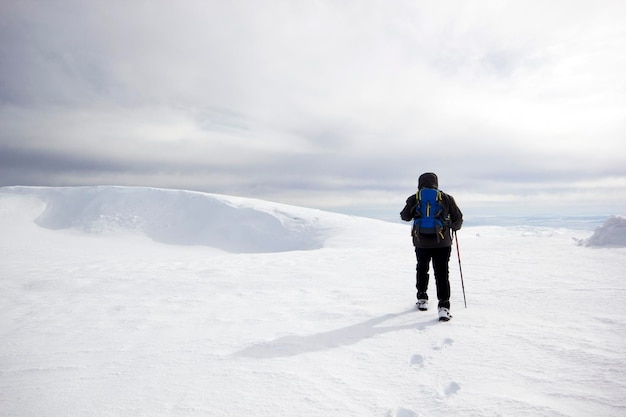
(119, 301)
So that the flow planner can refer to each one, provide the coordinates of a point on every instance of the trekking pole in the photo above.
(458, 253)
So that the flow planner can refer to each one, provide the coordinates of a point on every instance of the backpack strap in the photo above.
(418, 214)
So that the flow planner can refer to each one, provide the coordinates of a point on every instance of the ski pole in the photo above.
(458, 253)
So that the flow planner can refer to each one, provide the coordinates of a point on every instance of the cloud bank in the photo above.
(341, 105)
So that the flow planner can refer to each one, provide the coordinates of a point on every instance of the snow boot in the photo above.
(444, 314)
(422, 304)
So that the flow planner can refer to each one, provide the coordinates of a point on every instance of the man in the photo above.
(432, 244)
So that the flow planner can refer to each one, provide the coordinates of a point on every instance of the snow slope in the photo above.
(119, 301)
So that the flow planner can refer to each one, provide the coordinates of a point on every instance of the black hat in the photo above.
(428, 180)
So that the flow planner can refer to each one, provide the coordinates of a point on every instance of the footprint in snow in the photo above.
(451, 388)
(443, 343)
(404, 412)
(416, 360)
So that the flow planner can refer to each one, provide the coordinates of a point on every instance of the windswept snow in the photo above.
(119, 301)
(611, 233)
(176, 217)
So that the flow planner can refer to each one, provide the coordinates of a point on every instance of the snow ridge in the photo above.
(180, 217)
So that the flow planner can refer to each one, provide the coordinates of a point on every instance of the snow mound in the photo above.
(178, 217)
(611, 233)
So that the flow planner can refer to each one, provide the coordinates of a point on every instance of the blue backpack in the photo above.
(428, 213)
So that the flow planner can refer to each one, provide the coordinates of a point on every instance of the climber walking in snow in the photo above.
(435, 216)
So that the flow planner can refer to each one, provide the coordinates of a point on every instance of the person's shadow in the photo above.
(295, 345)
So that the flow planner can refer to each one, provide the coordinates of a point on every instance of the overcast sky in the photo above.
(518, 106)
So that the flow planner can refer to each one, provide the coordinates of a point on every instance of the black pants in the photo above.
(440, 258)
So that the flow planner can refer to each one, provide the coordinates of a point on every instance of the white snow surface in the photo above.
(118, 301)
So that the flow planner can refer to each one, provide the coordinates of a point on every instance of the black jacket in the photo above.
(451, 215)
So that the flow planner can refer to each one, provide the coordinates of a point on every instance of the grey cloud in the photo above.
(321, 98)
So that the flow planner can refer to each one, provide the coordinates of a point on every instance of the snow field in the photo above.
(102, 316)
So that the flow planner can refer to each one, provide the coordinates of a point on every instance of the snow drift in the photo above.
(178, 217)
(611, 233)
(100, 317)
